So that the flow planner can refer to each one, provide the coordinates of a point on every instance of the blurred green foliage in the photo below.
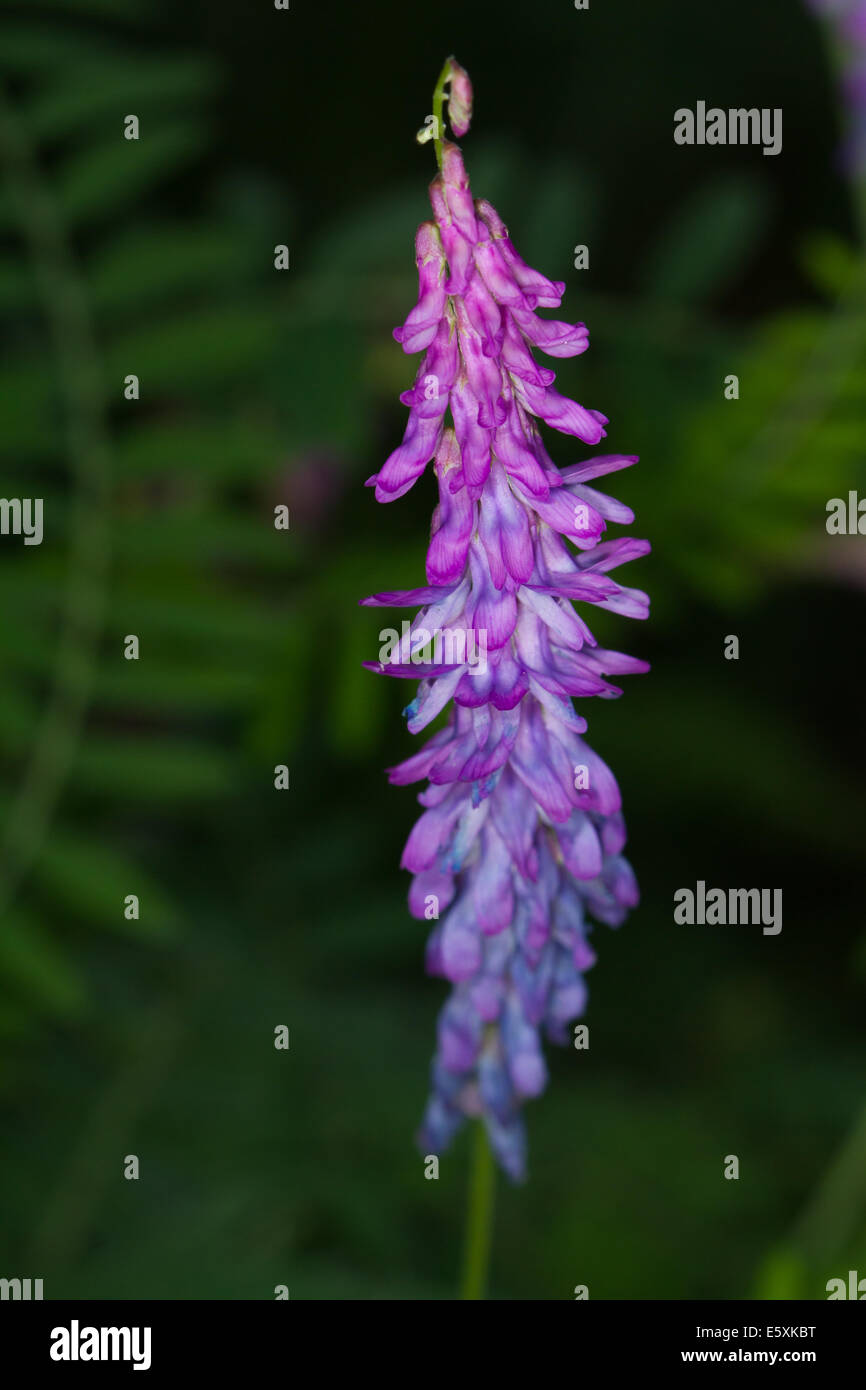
(155, 777)
(144, 531)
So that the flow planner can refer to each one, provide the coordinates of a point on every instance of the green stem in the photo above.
(479, 1219)
(65, 302)
(438, 99)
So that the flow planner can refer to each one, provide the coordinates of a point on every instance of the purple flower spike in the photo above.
(519, 845)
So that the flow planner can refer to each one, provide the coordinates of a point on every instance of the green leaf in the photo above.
(94, 880)
(33, 963)
(324, 385)
(18, 288)
(564, 197)
(27, 50)
(375, 237)
(103, 9)
(29, 411)
(154, 265)
(97, 183)
(102, 95)
(831, 262)
(211, 621)
(357, 696)
(707, 241)
(783, 1275)
(163, 689)
(19, 715)
(185, 540)
(210, 448)
(152, 771)
(200, 349)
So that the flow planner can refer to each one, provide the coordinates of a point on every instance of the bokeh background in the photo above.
(258, 908)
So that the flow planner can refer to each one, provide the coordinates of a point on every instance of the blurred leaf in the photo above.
(832, 263)
(357, 700)
(782, 1276)
(19, 716)
(99, 95)
(98, 183)
(374, 237)
(17, 286)
(36, 965)
(93, 880)
(29, 406)
(195, 622)
(211, 448)
(199, 349)
(147, 267)
(190, 514)
(186, 540)
(104, 9)
(29, 49)
(153, 772)
(324, 387)
(565, 200)
(177, 689)
(747, 757)
(707, 241)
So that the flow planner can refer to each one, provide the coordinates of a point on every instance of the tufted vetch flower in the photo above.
(518, 849)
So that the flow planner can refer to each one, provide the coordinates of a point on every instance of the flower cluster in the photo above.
(520, 841)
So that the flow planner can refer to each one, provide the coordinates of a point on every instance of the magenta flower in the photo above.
(520, 842)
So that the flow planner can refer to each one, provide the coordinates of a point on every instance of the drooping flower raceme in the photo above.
(520, 842)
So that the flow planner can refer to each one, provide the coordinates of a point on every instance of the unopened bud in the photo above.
(459, 99)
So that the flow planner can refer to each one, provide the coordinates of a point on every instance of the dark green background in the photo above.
(261, 907)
